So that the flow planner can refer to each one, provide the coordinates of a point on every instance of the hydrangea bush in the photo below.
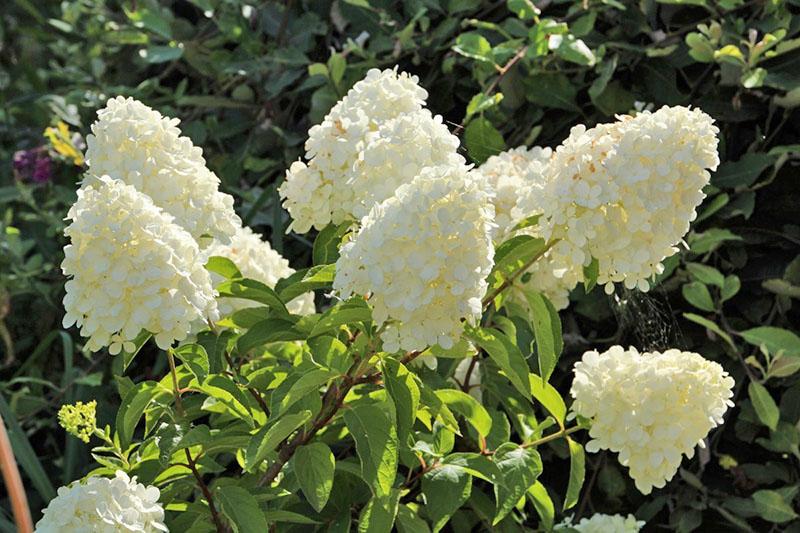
(422, 374)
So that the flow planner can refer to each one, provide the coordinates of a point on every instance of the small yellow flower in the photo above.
(61, 140)
(79, 419)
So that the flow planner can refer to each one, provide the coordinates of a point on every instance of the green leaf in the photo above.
(481, 102)
(476, 465)
(268, 331)
(475, 46)
(241, 508)
(775, 340)
(549, 397)
(224, 267)
(515, 253)
(348, 312)
(547, 330)
(524, 9)
(161, 54)
(139, 341)
(697, 319)
(336, 66)
(483, 140)
(216, 347)
(132, 408)
(764, 405)
(506, 354)
(409, 522)
(574, 50)
(706, 274)
(577, 472)
(519, 467)
(742, 173)
(250, 289)
(326, 245)
(379, 513)
(772, 506)
(374, 430)
(309, 383)
(590, 273)
(543, 504)
(314, 466)
(445, 488)
(318, 277)
(468, 407)
(279, 515)
(403, 389)
(223, 390)
(551, 90)
(730, 287)
(701, 243)
(270, 435)
(195, 358)
(697, 294)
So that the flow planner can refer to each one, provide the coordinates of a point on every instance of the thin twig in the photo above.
(221, 527)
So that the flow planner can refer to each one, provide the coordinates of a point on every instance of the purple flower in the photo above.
(33, 165)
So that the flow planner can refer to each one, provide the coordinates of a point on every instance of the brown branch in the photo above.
(218, 523)
(332, 401)
(465, 386)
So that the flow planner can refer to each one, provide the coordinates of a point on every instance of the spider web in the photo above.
(649, 318)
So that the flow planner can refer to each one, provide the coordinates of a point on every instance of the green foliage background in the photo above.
(248, 80)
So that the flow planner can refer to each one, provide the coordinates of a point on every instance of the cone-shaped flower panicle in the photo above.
(136, 144)
(131, 268)
(104, 505)
(625, 193)
(256, 260)
(422, 256)
(651, 408)
(378, 137)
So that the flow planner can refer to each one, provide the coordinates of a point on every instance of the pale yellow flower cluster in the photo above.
(104, 505)
(378, 137)
(624, 193)
(422, 258)
(651, 408)
(136, 144)
(604, 523)
(131, 268)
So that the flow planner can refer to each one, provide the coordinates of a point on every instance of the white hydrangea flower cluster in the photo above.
(131, 268)
(256, 260)
(507, 174)
(651, 408)
(422, 256)
(136, 144)
(378, 137)
(104, 505)
(625, 193)
(604, 523)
